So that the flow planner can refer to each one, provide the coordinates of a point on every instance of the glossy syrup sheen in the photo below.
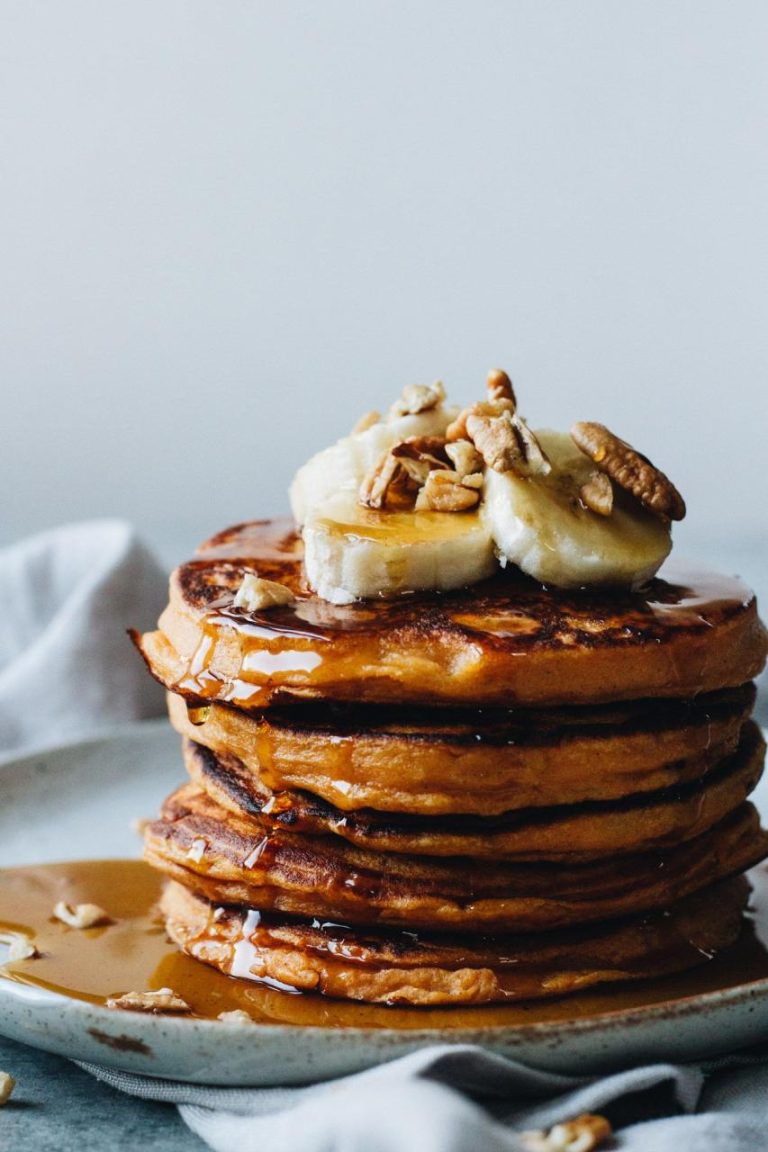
(133, 954)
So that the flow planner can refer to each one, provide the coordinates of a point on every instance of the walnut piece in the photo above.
(629, 469)
(507, 444)
(597, 494)
(582, 1134)
(418, 398)
(366, 421)
(235, 1016)
(457, 429)
(81, 915)
(21, 949)
(446, 491)
(161, 1000)
(465, 457)
(398, 474)
(500, 387)
(7, 1085)
(255, 594)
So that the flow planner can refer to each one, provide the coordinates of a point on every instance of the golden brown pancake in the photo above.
(508, 641)
(572, 832)
(406, 968)
(431, 762)
(230, 860)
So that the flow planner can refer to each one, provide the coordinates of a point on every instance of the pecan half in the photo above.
(500, 387)
(597, 494)
(629, 469)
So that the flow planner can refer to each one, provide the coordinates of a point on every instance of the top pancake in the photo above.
(506, 641)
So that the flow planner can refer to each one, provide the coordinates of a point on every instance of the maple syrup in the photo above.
(133, 954)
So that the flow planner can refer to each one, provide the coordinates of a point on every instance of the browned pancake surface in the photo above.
(571, 832)
(233, 860)
(406, 968)
(687, 632)
(427, 762)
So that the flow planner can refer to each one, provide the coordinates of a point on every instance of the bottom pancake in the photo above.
(414, 969)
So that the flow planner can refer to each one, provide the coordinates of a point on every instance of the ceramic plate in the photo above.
(78, 802)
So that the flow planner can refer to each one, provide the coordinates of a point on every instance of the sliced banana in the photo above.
(341, 467)
(352, 552)
(541, 525)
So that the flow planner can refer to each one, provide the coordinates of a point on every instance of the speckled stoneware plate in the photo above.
(77, 802)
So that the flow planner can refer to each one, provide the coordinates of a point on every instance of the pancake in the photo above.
(686, 633)
(570, 832)
(406, 968)
(432, 762)
(234, 861)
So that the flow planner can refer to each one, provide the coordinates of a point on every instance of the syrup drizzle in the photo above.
(134, 954)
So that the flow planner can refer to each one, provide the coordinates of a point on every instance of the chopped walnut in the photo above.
(387, 473)
(597, 494)
(500, 387)
(507, 444)
(255, 594)
(457, 429)
(162, 1000)
(81, 915)
(446, 491)
(7, 1085)
(582, 1134)
(365, 422)
(418, 398)
(464, 456)
(630, 470)
(21, 949)
(235, 1016)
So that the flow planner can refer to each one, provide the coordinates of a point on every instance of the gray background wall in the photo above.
(229, 228)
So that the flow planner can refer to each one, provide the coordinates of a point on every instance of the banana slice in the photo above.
(341, 467)
(352, 552)
(540, 524)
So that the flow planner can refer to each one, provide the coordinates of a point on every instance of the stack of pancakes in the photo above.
(502, 792)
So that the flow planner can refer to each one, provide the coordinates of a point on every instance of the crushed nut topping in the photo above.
(446, 491)
(255, 594)
(465, 457)
(597, 494)
(236, 1016)
(7, 1085)
(81, 915)
(500, 387)
(387, 481)
(197, 851)
(457, 429)
(419, 398)
(21, 949)
(507, 444)
(366, 421)
(582, 1134)
(162, 1000)
(629, 469)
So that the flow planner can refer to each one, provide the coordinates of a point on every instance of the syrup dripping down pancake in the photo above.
(431, 762)
(410, 968)
(235, 861)
(507, 641)
(570, 832)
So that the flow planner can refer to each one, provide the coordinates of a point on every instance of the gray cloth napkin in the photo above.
(66, 668)
(66, 671)
(459, 1098)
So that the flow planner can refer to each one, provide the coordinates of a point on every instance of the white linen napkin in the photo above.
(66, 666)
(67, 671)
